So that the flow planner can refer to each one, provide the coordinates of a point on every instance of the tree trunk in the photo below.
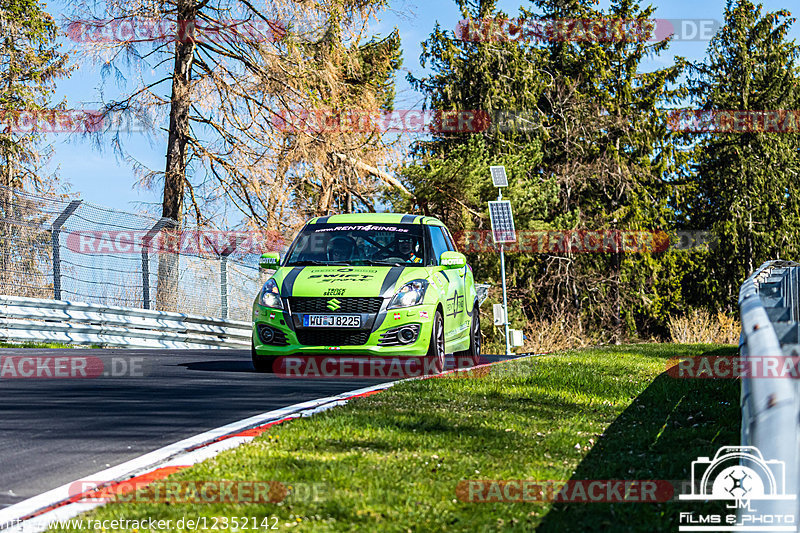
(175, 173)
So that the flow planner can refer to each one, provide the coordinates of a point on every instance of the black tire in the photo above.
(436, 354)
(472, 356)
(261, 363)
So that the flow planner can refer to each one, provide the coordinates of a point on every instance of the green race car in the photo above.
(368, 284)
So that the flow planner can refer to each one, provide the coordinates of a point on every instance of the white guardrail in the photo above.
(768, 304)
(35, 320)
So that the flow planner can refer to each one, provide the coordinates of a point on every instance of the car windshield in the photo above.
(358, 244)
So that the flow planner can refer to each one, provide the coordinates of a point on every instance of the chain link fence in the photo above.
(60, 248)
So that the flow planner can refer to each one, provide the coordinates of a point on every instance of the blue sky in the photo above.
(99, 177)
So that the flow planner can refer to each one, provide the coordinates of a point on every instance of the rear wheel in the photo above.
(472, 356)
(436, 356)
(261, 363)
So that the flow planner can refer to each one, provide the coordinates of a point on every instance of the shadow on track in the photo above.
(220, 366)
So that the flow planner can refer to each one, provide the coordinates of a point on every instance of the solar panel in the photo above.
(502, 222)
(499, 176)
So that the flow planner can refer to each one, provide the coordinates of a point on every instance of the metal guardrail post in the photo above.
(157, 227)
(55, 236)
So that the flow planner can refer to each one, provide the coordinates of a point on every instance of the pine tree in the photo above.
(30, 65)
(599, 157)
(747, 191)
(449, 175)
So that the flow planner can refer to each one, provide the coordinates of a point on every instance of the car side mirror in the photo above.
(270, 260)
(452, 260)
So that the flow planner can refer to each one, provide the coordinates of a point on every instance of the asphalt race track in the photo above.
(53, 431)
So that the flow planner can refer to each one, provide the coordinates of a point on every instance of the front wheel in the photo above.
(472, 356)
(261, 363)
(436, 356)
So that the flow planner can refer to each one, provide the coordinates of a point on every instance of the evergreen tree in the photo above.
(599, 157)
(747, 191)
(612, 155)
(449, 176)
(30, 64)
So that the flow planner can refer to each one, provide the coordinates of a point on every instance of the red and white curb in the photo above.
(62, 503)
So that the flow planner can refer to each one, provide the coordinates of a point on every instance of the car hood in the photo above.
(349, 280)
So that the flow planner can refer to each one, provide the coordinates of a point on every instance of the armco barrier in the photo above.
(768, 304)
(36, 320)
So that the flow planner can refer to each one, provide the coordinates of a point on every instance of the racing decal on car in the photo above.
(334, 292)
(423, 314)
(454, 304)
(340, 277)
(390, 280)
(288, 280)
(474, 306)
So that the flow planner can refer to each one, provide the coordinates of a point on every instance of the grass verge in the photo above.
(392, 461)
(41, 345)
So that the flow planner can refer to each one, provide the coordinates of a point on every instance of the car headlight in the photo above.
(410, 294)
(270, 296)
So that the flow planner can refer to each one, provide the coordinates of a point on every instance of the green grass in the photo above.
(392, 461)
(40, 345)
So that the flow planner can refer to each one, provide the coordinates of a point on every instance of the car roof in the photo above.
(376, 218)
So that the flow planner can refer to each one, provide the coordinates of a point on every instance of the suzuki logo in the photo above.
(333, 305)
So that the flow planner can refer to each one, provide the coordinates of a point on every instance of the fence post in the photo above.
(223, 286)
(223, 274)
(158, 226)
(55, 237)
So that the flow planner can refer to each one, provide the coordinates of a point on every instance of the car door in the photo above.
(455, 301)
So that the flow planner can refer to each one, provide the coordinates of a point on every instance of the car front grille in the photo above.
(328, 337)
(345, 305)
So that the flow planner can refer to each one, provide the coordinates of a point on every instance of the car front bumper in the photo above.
(290, 333)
